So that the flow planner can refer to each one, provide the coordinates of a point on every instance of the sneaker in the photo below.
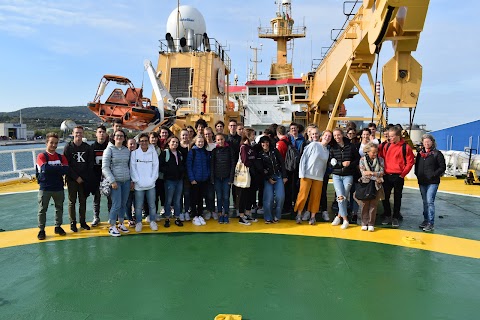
(41, 235)
(325, 216)
(208, 215)
(336, 221)
(395, 223)
(312, 221)
(138, 227)
(167, 223)
(158, 217)
(429, 228)
(60, 231)
(259, 210)
(73, 226)
(243, 221)
(249, 218)
(226, 219)
(84, 226)
(131, 223)
(202, 221)
(122, 228)
(275, 220)
(387, 220)
(221, 219)
(182, 217)
(371, 228)
(147, 219)
(364, 228)
(113, 231)
(345, 224)
(298, 219)
(187, 216)
(306, 216)
(153, 225)
(196, 221)
(215, 215)
(95, 222)
(178, 222)
(162, 211)
(268, 221)
(423, 224)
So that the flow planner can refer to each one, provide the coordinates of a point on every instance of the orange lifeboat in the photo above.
(135, 111)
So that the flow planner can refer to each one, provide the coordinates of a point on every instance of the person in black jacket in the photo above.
(429, 167)
(344, 161)
(172, 164)
(275, 177)
(221, 175)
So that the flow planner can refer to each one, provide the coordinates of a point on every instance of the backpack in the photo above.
(292, 158)
(40, 175)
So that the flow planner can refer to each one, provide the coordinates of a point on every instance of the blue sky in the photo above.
(54, 53)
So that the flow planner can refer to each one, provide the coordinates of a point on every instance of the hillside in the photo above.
(79, 114)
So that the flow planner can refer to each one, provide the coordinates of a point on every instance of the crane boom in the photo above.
(354, 52)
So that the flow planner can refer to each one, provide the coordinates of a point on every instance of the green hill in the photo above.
(79, 114)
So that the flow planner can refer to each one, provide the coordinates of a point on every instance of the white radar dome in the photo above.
(191, 22)
(67, 125)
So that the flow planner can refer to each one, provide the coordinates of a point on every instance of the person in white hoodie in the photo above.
(313, 164)
(144, 172)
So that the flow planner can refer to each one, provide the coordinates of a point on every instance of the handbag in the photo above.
(242, 175)
(366, 191)
(105, 187)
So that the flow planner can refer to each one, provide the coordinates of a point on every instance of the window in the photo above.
(262, 91)
(272, 91)
(252, 91)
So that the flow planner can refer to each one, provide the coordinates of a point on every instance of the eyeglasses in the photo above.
(144, 141)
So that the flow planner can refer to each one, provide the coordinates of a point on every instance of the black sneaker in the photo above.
(387, 220)
(423, 224)
(167, 223)
(84, 226)
(178, 222)
(41, 235)
(243, 221)
(395, 223)
(268, 221)
(73, 226)
(249, 218)
(428, 228)
(60, 231)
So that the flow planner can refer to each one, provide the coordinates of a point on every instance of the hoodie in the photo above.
(144, 168)
(313, 162)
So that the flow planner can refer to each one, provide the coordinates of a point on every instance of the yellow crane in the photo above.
(353, 54)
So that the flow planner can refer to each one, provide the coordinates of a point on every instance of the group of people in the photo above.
(288, 170)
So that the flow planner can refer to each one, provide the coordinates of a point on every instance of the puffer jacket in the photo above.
(116, 163)
(198, 164)
(346, 153)
(429, 169)
(223, 163)
(171, 169)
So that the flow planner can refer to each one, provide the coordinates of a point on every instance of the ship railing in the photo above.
(282, 31)
(216, 106)
(20, 163)
(188, 106)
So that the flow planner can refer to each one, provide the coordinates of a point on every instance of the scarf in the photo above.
(372, 165)
(424, 153)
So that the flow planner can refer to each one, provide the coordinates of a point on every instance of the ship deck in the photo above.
(283, 271)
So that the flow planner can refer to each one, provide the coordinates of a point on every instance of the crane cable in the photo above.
(379, 48)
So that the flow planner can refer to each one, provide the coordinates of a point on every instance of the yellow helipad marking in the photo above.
(408, 239)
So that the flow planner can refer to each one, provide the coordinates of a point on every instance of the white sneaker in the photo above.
(114, 231)
(260, 211)
(187, 216)
(182, 216)
(364, 228)
(306, 216)
(202, 221)
(371, 228)
(153, 225)
(162, 211)
(207, 215)
(196, 221)
(138, 227)
(345, 224)
(243, 221)
(158, 217)
(147, 219)
(336, 221)
(215, 216)
(325, 216)
(122, 228)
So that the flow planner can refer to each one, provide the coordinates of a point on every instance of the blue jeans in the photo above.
(139, 200)
(173, 192)
(222, 189)
(342, 185)
(119, 202)
(268, 196)
(429, 191)
(128, 208)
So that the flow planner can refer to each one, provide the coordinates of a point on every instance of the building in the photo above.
(13, 130)
(459, 137)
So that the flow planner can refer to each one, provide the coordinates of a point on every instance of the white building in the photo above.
(14, 130)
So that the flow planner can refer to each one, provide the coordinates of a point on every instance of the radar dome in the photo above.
(189, 19)
(67, 125)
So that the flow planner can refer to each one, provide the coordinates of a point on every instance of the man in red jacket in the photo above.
(399, 160)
